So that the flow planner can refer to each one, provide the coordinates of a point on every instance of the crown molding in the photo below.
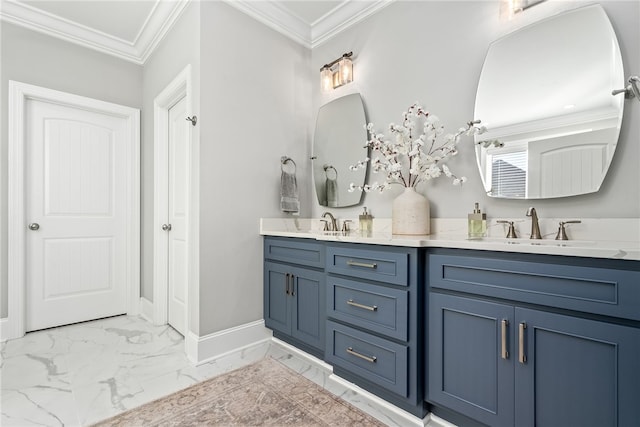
(277, 18)
(158, 23)
(165, 13)
(346, 14)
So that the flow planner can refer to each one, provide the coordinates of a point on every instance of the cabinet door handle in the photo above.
(522, 358)
(293, 285)
(286, 284)
(353, 263)
(505, 352)
(371, 359)
(365, 307)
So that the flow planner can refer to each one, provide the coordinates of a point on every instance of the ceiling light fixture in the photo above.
(337, 73)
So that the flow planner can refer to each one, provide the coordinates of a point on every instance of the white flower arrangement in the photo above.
(408, 159)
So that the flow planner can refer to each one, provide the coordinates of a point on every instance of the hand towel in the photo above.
(331, 186)
(289, 201)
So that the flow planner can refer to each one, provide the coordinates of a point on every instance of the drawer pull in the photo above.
(505, 353)
(365, 307)
(353, 263)
(293, 285)
(371, 359)
(286, 284)
(522, 358)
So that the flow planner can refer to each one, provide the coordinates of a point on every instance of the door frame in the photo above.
(19, 93)
(180, 87)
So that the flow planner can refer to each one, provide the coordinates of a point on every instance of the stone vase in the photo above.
(410, 213)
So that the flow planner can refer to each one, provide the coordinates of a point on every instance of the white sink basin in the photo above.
(333, 233)
(537, 242)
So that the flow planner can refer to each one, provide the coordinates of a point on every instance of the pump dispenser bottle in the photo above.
(366, 223)
(477, 223)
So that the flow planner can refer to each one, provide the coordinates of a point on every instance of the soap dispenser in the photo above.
(366, 223)
(477, 223)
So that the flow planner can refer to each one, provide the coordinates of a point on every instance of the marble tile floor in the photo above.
(80, 374)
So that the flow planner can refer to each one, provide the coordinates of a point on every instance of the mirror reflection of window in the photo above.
(509, 173)
(550, 84)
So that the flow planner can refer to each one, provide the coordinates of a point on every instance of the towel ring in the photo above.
(284, 160)
(327, 168)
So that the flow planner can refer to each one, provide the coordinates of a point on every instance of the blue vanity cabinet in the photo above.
(534, 340)
(294, 292)
(466, 371)
(373, 306)
(576, 372)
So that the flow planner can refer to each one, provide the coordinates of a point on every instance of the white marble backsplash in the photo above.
(615, 238)
(590, 229)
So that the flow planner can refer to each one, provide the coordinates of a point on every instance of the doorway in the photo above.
(174, 228)
(74, 206)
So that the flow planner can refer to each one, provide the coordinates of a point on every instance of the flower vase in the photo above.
(410, 213)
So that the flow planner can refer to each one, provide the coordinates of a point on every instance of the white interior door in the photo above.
(76, 204)
(178, 207)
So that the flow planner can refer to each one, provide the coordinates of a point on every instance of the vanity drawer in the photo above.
(381, 265)
(382, 362)
(582, 285)
(294, 251)
(375, 308)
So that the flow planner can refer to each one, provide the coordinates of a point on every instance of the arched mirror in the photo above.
(545, 97)
(338, 143)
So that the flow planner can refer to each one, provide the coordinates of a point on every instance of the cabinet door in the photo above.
(308, 306)
(468, 371)
(577, 372)
(277, 314)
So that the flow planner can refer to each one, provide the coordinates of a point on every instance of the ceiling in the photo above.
(131, 29)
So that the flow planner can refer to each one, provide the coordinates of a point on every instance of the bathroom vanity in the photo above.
(486, 334)
(294, 292)
(530, 340)
(491, 331)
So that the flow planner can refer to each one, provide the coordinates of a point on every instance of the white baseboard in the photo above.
(209, 347)
(400, 416)
(435, 421)
(318, 363)
(146, 310)
(4, 329)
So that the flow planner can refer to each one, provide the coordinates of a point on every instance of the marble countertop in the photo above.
(596, 238)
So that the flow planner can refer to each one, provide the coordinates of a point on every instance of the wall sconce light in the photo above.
(516, 6)
(336, 73)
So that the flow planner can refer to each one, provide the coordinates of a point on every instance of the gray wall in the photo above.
(179, 48)
(433, 52)
(33, 58)
(255, 108)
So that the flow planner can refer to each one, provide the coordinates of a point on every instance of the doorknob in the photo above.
(166, 227)
(34, 226)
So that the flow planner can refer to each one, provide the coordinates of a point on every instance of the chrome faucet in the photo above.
(535, 227)
(334, 224)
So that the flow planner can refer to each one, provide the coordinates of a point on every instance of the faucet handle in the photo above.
(326, 225)
(511, 234)
(345, 225)
(562, 233)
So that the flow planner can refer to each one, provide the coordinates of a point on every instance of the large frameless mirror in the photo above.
(545, 97)
(338, 143)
